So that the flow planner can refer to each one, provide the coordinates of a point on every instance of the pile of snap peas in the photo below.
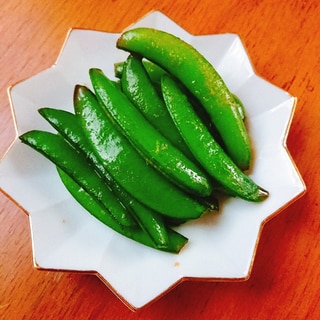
(149, 151)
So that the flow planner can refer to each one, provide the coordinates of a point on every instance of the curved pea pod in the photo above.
(69, 126)
(155, 74)
(175, 243)
(152, 223)
(59, 152)
(188, 65)
(137, 86)
(205, 149)
(154, 147)
(126, 165)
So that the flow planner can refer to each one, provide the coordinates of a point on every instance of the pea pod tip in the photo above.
(262, 194)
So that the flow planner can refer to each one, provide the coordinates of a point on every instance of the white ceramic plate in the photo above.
(66, 237)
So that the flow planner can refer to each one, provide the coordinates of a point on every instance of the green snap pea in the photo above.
(126, 165)
(156, 149)
(175, 243)
(205, 149)
(137, 86)
(69, 126)
(199, 76)
(152, 223)
(155, 74)
(57, 150)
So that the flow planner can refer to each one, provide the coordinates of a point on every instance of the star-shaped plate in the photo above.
(221, 246)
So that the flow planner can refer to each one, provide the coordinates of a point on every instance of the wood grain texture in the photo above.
(283, 41)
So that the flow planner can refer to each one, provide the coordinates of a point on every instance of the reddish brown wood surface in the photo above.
(283, 42)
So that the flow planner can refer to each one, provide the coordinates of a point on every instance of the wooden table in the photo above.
(283, 42)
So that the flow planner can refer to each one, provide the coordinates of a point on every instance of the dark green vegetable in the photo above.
(205, 149)
(185, 63)
(69, 126)
(127, 166)
(157, 150)
(175, 243)
(58, 151)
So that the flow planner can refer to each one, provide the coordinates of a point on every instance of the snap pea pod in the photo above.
(127, 166)
(176, 241)
(155, 148)
(57, 150)
(69, 126)
(155, 74)
(206, 150)
(198, 75)
(136, 84)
